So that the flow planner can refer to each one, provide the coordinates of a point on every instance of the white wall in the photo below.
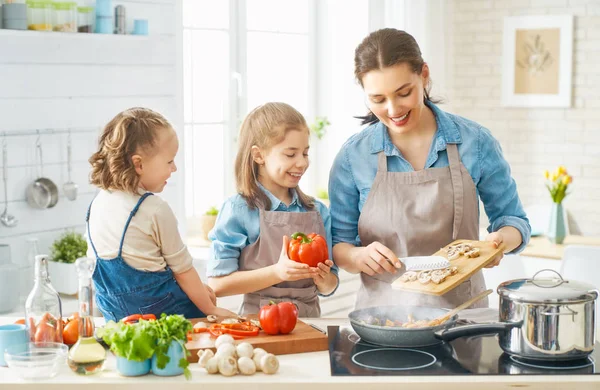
(80, 81)
(539, 138)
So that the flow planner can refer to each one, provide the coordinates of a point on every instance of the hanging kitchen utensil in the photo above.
(6, 219)
(70, 188)
(42, 193)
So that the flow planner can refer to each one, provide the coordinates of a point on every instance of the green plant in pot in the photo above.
(64, 252)
(319, 126)
(157, 345)
(134, 345)
(208, 221)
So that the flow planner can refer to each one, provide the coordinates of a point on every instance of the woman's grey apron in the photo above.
(415, 214)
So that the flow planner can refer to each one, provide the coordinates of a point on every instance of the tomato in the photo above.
(71, 332)
(45, 332)
(278, 318)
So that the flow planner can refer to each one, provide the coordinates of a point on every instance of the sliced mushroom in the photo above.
(211, 318)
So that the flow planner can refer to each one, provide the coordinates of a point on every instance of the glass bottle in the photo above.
(87, 356)
(27, 275)
(43, 307)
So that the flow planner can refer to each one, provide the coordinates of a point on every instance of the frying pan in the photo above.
(42, 193)
(396, 336)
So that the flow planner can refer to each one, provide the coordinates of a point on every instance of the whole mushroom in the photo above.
(246, 365)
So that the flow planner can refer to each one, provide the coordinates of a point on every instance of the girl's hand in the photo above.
(376, 258)
(218, 311)
(289, 270)
(321, 271)
(498, 239)
(211, 294)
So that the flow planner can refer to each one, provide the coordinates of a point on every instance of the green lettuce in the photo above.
(135, 342)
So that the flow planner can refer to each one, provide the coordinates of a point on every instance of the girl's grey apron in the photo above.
(265, 252)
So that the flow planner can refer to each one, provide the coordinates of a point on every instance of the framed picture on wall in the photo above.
(537, 61)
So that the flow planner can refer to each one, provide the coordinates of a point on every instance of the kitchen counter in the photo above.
(296, 372)
(543, 248)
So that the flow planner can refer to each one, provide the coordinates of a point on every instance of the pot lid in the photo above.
(547, 289)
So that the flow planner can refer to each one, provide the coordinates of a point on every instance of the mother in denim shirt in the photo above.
(410, 182)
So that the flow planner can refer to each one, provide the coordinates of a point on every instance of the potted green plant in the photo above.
(323, 196)
(170, 356)
(133, 345)
(319, 126)
(207, 222)
(157, 345)
(64, 251)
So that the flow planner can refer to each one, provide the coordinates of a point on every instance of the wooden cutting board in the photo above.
(466, 268)
(304, 338)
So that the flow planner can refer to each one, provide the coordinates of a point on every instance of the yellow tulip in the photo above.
(567, 179)
(562, 170)
(554, 177)
(546, 174)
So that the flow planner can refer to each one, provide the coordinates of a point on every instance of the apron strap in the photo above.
(131, 215)
(87, 222)
(381, 162)
(457, 186)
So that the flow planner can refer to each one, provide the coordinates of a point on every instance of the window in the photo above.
(237, 55)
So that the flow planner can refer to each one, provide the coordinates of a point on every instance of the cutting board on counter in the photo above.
(466, 268)
(304, 338)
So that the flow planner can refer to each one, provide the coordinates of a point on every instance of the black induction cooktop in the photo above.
(481, 355)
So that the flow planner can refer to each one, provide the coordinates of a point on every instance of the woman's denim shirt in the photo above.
(355, 166)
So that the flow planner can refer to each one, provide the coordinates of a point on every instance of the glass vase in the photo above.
(557, 228)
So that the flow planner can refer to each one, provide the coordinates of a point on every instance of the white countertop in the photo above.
(295, 372)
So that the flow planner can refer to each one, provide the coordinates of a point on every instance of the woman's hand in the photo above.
(289, 270)
(376, 258)
(498, 239)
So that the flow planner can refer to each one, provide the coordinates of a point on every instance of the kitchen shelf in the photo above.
(32, 33)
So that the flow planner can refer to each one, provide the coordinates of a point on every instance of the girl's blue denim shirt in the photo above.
(355, 166)
(238, 226)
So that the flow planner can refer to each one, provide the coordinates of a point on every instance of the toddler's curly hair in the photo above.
(131, 132)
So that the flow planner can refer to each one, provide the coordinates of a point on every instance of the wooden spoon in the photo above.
(440, 320)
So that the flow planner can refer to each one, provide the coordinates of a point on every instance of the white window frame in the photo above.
(236, 107)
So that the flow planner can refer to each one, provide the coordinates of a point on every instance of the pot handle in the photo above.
(474, 330)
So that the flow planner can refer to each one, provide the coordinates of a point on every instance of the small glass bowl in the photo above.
(36, 360)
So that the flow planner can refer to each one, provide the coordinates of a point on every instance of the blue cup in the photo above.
(132, 368)
(140, 27)
(104, 25)
(10, 335)
(175, 354)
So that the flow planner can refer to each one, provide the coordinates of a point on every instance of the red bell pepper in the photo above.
(136, 317)
(278, 318)
(237, 331)
(311, 249)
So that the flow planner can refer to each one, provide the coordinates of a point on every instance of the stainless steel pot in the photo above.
(396, 336)
(541, 319)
